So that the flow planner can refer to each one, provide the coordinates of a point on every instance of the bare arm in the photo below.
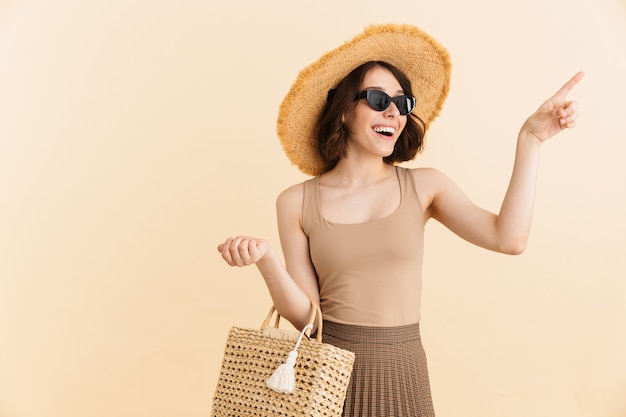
(508, 231)
(290, 287)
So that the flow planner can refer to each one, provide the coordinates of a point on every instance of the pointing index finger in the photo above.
(568, 86)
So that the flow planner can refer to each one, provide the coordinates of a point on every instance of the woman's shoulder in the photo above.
(293, 191)
(292, 196)
(425, 173)
(429, 182)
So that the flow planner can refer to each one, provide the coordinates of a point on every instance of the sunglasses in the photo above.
(379, 101)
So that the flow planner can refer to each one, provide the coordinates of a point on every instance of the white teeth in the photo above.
(384, 129)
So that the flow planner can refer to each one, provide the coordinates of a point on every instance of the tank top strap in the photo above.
(407, 186)
(310, 207)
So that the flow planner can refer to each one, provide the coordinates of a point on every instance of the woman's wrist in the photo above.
(267, 262)
(526, 138)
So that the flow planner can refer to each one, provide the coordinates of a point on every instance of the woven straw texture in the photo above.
(322, 374)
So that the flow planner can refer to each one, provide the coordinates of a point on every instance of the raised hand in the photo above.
(243, 250)
(555, 114)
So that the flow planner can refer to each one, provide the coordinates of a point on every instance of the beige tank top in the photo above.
(369, 274)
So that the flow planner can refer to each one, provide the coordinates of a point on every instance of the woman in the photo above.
(352, 236)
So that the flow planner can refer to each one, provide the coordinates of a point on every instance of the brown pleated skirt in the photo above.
(390, 375)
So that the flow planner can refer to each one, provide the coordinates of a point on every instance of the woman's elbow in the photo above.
(513, 246)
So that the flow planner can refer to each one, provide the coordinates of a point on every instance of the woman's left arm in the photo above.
(508, 231)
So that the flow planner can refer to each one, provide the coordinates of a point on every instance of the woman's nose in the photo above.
(392, 111)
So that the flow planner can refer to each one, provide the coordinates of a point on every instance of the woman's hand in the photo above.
(555, 114)
(243, 250)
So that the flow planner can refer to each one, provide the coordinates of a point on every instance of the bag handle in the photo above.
(316, 311)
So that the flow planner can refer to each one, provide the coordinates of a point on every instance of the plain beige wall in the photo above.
(135, 135)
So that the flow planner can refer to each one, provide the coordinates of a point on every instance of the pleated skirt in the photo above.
(390, 374)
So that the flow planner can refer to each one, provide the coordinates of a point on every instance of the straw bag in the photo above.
(277, 372)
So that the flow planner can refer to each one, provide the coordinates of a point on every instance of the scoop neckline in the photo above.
(392, 214)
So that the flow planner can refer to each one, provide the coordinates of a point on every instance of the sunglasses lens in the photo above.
(407, 104)
(401, 104)
(378, 100)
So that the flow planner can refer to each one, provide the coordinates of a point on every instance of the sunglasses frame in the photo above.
(400, 101)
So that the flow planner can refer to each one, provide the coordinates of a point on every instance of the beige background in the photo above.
(135, 135)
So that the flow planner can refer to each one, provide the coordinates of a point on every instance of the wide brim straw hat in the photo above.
(425, 62)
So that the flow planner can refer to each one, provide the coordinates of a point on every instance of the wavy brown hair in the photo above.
(331, 132)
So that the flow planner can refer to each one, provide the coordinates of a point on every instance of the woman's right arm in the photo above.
(290, 286)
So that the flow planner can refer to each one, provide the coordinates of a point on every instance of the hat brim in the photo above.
(425, 62)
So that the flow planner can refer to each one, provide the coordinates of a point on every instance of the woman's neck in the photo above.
(352, 172)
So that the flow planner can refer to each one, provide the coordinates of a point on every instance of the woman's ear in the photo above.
(348, 112)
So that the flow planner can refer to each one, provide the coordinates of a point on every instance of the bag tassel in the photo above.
(283, 379)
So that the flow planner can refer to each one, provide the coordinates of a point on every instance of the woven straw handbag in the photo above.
(278, 372)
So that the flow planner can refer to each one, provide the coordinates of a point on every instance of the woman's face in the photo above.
(370, 131)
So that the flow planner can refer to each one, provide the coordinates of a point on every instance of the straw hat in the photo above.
(425, 62)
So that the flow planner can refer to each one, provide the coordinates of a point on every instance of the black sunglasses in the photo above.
(379, 101)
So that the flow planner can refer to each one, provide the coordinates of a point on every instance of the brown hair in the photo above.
(332, 135)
